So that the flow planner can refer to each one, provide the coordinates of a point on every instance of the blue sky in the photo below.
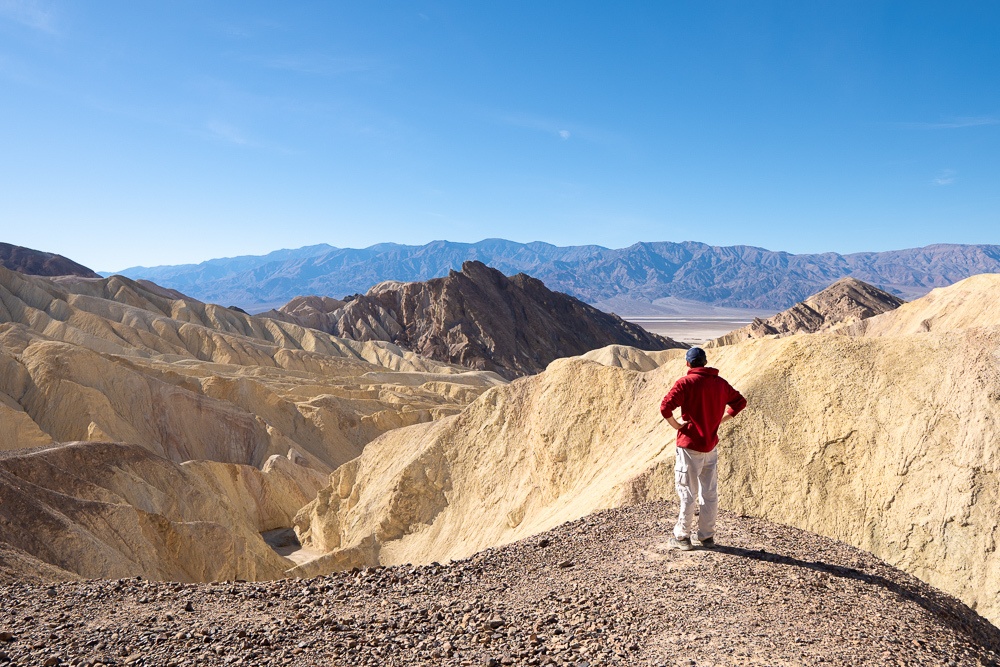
(163, 133)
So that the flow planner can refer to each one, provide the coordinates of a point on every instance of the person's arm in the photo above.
(678, 425)
(671, 402)
(735, 405)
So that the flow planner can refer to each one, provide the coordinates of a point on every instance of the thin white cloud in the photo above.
(559, 129)
(226, 132)
(318, 64)
(223, 132)
(29, 13)
(945, 177)
(955, 123)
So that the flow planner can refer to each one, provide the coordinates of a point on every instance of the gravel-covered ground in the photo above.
(602, 590)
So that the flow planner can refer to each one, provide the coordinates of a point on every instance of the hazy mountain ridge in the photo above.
(733, 276)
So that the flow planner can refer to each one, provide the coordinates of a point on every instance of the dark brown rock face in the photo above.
(38, 263)
(844, 302)
(481, 319)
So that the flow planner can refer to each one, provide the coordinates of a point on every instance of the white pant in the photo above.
(696, 475)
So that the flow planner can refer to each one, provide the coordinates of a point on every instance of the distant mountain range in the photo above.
(643, 279)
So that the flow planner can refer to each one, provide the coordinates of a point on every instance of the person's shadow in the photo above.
(953, 613)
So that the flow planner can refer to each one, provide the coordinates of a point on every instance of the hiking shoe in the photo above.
(684, 544)
(708, 543)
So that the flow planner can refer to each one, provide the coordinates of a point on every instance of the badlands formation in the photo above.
(478, 318)
(145, 434)
(843, 303)
(886, 439)
(227, 425)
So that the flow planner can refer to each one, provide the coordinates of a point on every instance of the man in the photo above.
(703, 398)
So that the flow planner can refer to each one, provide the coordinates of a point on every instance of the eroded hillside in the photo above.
(886, 443)
(112, 360)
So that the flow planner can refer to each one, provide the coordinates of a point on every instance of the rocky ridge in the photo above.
(478, 318)
(882, 442)
(843, 303)
(38, 263)
(603, 590)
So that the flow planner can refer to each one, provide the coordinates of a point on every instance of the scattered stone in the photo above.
(806, 600)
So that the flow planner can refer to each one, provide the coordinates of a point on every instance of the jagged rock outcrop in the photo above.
(238, 401)
(478, 318)
(843, 303)
(38, 263)
(315, 312)
(885, 443)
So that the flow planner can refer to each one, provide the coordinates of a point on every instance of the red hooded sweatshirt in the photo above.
(702, 397)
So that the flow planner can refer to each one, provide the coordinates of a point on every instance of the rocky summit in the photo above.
(478, 318)
(843, 303)
(603, 590)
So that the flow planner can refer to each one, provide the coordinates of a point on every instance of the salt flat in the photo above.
(691, 329)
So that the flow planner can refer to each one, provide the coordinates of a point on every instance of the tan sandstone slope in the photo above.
(889, 443)
(845, 302)
(115, 360)
(973, 302)
(113, 511)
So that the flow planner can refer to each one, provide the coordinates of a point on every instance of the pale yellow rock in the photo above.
(225, 394)
(891, 444)
(631, 358)
(973, 302)
(116, 360)
(112, 510)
